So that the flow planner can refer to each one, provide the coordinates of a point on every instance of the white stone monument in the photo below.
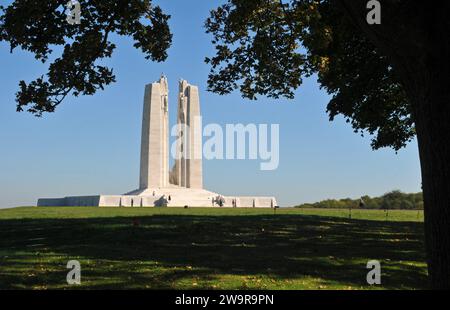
(154, 172)
(183, 185)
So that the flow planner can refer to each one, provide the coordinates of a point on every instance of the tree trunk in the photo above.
(432, 115)
(431, 109)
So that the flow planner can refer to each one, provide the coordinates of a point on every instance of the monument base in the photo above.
(162, 197)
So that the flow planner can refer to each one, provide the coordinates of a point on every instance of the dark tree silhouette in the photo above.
(39, 26)
(386, 79)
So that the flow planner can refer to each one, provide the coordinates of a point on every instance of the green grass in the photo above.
(210, 248)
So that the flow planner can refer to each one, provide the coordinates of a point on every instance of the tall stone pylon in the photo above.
(188, 170)
(154, 170)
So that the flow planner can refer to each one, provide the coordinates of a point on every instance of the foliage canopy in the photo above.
(267, 47)
(39, 26)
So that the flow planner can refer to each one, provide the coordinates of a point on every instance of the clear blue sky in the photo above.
(91, 144)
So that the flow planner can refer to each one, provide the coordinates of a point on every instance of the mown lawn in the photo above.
(209, 248)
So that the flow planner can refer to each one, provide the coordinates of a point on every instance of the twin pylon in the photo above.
(187, 170)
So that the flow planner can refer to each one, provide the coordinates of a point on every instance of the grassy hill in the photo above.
(210, 248)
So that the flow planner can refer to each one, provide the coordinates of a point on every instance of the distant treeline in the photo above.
(391, 200)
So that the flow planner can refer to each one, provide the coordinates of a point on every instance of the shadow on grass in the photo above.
(165, 249)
